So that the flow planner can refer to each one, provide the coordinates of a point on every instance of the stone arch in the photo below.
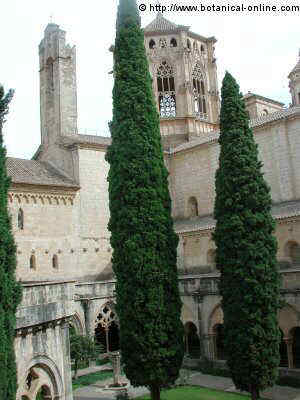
(173, 42)
(216, 318)
(288, 318)
(152, 44)
(78, 324)
(187, 315)
(292, 252)
(41, 371)
(192, 207)
(107, 327)
(191, 339)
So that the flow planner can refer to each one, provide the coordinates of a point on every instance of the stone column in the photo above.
(289, 347)
(115, 358)
(209, 346)
(86, 304)
(65, 341)
(199, 303)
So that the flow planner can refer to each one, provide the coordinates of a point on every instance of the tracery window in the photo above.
(21, 219)
(199, 92)
(163, 43)
(166, 90)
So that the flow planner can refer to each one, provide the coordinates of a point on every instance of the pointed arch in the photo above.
(193, 210)
(32, 262)
(152, 44)
(173, 42)
(166, 90)
(199, 92)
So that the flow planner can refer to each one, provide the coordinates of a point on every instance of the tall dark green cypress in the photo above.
(142, 236)
(10, 289)
(246, 251)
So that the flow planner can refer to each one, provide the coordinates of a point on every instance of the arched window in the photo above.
(151, 44)
(163, 43)
(55, 262)
(265, 112)
(195, 46)
(166, 90)
(193, 207)
(292, 250)
(199, 92)
(32, 262)
(188, 43)
(20, 219)
(173, 42)
(50, 76)
(202, 49)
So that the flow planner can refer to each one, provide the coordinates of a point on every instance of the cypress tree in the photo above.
(10, 289)
(246, 251)
(142, 236)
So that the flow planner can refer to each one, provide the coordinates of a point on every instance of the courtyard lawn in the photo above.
(90, 379)
(196, 393)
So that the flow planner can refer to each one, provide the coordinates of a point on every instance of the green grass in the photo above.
(196, 393)
(90, 379)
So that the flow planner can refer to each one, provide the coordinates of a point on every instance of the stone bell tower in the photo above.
(184, 72)
(294, 84)
(58, 96)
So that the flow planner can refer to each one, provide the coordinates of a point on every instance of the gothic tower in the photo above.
(294, 84)
(183, 67)
(57, 86)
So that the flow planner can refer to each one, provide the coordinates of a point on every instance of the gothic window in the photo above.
(202, 49)
(166, 90)
(32, 262)
(151, 44)
(188, 43)
(55, 262)
(173, 42)
(21, 219)
(162, 43)
(199, 92)
(50, 76)
(193, 207)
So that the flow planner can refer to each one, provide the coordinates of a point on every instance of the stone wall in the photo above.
(42, 340)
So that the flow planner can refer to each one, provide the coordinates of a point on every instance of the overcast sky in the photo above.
(259, 50)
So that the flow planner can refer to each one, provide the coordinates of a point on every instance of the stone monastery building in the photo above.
(59, 206)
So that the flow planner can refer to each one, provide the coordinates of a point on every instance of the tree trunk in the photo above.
(254, 393)
(155, 392)
(75, 370)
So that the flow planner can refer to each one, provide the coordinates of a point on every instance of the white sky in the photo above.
(259, 50)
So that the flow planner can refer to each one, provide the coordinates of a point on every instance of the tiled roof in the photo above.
(161, 24)
(279, 211)
(36, 173)
(86, 139)
(258, 96)
(254, 123)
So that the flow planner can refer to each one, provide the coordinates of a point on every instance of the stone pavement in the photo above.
(97, 391)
